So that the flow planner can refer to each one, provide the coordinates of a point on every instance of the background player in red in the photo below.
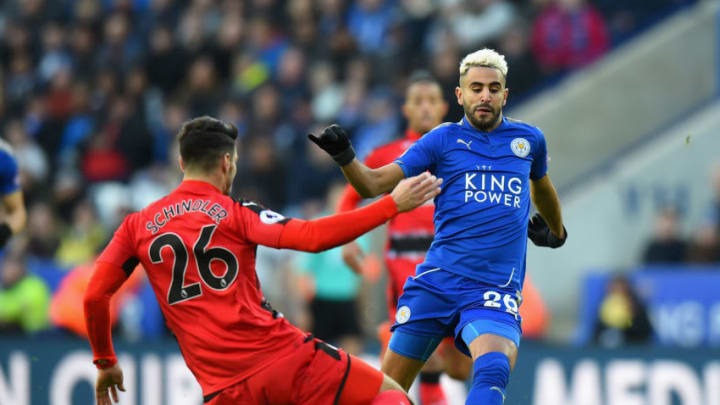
(198, 246)
(410, 234)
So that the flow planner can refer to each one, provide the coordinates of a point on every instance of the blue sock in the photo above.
(491, 375)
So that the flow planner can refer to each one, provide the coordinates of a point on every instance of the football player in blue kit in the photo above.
(470, 284)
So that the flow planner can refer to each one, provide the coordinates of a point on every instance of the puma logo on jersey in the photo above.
(464, 143)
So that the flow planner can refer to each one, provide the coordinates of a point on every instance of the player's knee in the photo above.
(390, 384)
(492, 370)
(391, 397)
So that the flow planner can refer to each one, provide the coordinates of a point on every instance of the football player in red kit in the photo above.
(197, 246)
(411, 233)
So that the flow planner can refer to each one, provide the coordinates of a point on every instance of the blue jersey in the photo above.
(9, 178)
(481, 215)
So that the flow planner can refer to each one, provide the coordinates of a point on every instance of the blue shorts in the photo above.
(437, 303)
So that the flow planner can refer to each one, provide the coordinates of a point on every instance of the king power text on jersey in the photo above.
(494, 189)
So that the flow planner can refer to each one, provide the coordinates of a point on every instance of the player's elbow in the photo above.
(95, 296)
(317, 247)
(90, 299)
(308, 244)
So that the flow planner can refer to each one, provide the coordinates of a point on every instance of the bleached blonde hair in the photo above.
(485, 58)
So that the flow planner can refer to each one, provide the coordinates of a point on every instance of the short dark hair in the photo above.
(422, 76)
(204, 140)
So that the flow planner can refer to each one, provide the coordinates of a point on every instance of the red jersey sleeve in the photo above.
(120, 252)
(335, 230)
(112, 269)
(104, 282)
(258, 224)
(265, 227)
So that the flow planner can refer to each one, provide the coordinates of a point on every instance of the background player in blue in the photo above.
(469, 285)
(12, 213)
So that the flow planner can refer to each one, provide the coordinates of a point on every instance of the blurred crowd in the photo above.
(669, 245)
(622, 315)
(92, 93)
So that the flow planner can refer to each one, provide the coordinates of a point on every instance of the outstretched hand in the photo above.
(414, 191)
(335, 141)
(540, 234)
(109, 379)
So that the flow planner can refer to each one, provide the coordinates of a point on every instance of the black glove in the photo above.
(540, 234)
(334, 140)
(5, 234)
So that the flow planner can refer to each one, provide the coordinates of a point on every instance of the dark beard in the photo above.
(480, 125)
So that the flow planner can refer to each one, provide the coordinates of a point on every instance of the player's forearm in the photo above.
(328, 232)
(97, 321)
(105, 281)
(364, 180)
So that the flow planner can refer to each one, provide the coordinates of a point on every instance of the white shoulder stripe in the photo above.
(426, 272)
